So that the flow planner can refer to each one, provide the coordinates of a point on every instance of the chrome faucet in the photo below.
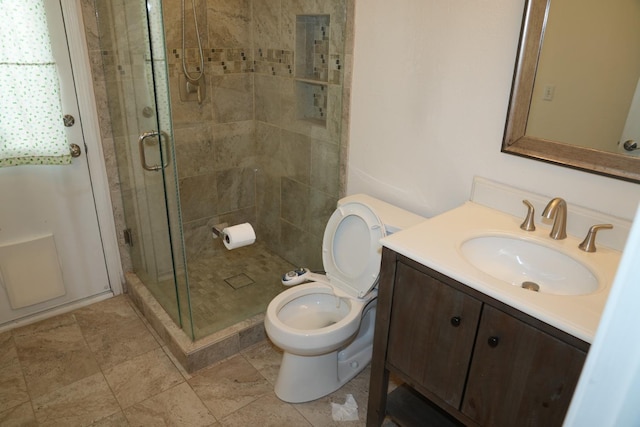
(557, 209)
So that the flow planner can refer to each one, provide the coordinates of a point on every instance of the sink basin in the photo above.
(527, 263)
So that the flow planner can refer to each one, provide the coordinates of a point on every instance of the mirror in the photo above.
(571, 100)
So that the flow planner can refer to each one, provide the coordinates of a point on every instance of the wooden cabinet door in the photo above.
(519, 376)
(431, 333)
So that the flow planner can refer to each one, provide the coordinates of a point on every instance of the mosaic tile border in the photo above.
(327, 68)
(217, 60)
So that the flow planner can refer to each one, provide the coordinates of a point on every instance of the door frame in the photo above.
(81, 65)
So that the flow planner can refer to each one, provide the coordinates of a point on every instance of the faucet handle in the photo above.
(589, 242)
(527, 224)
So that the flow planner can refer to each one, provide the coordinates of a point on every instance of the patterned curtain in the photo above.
(31, 127)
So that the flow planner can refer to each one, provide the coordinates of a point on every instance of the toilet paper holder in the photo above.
(217, 230)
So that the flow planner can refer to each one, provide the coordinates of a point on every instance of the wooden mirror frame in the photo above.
(515, 141)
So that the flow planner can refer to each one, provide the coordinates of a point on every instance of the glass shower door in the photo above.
(156, 71)
(133, 44)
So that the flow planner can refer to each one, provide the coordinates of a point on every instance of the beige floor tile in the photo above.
(13, 389)
(55, 361)
(319, 412)
(81, 403)
(18, 416)
(7, 348)
(229, 386)
(186, 375)
(268, 411)
(53, 354)
(142, 377)
(266, 358)
(178, 406)
(146, 323)
(116, 420)
(359, 388)
(114, 332)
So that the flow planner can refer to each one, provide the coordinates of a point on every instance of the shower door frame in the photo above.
(135, 83)
(79, 54)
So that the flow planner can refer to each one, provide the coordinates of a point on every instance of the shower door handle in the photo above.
(141, 143)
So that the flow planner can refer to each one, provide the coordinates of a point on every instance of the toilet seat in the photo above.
(351, 251)
(307, 340)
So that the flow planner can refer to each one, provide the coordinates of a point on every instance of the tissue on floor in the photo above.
(346, 412)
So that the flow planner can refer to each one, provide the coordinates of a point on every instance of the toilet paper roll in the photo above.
(238, 236)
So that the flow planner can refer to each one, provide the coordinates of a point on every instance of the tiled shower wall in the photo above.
(245, 153)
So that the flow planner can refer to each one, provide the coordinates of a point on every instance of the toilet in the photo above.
(325, 323)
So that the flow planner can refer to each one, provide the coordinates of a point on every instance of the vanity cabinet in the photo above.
(435, 349)
(467, 358)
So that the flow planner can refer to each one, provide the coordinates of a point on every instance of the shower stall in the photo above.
(260, 141)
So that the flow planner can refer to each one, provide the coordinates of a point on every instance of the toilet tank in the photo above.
(393, 217)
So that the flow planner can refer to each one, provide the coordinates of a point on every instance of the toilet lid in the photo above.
(351, 249)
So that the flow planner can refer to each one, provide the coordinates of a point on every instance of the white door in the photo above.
(631, 131)
(51, 251)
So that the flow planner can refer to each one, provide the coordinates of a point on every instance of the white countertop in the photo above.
(436, 242)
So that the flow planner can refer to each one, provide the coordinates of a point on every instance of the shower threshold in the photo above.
(198, 354)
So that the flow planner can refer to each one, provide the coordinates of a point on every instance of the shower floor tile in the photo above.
(227, 287)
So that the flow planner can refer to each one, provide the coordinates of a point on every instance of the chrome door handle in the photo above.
(143, 159)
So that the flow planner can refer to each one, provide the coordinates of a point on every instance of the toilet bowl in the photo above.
(325, 326)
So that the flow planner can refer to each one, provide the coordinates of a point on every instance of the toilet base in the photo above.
(299, 378)
(306, 378)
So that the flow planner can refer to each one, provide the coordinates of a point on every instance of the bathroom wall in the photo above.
(247, 153)
(214, 140)
(425, 123)
(300, 120)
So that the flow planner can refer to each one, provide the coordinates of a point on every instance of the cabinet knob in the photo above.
(493, 341)
(455, 321)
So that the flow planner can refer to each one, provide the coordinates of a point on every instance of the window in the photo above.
(31, 127)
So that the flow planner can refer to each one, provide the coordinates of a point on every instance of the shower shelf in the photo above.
(311, 81)
(312, 47)
(311, 102)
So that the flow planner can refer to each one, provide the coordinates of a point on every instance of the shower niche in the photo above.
(311, 102)
(312, 68)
